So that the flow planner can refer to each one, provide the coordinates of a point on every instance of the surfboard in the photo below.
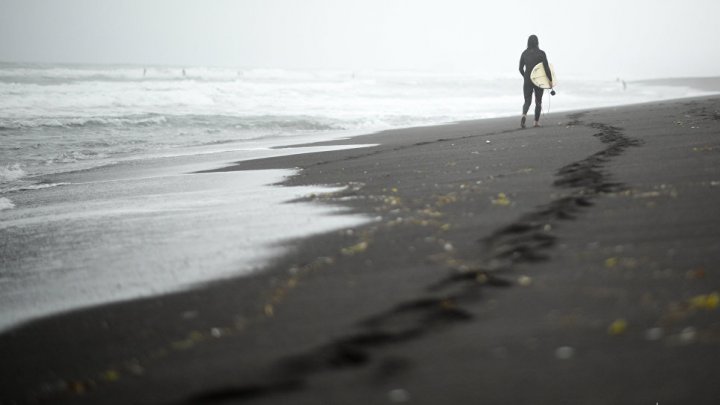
(539, 77)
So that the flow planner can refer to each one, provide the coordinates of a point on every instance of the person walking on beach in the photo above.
(529, 58)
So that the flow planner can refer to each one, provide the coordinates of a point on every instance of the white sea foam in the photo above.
(32, 186)
(6, 204)
(148, 227)
(11, 172)
(79, 121)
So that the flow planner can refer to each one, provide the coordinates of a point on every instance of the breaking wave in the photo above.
(69, 122)
(6, 204)
(270, 122)
(11, 172)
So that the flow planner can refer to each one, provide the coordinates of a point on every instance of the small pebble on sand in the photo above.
(688, 335)
(398, 395)
(654, 334)
(524, 281)
(564, 352)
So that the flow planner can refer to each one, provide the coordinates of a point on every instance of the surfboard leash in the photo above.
(549, 98)
(552, 93)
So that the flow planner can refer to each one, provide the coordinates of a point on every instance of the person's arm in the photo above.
(548, 72)
(522, 65)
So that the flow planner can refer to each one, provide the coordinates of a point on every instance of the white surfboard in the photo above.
(539, 77)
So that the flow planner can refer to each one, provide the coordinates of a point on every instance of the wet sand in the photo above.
(573, 263)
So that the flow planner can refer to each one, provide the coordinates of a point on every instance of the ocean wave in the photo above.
(6, 204)
(211, 122)
(219, 142)
(11, 172)
(72, 156)
(70, 122)
(267, 123)
(288, 123)
(30, 186)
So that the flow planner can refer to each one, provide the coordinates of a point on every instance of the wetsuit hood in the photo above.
(533, 41)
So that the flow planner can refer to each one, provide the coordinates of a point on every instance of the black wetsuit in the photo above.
(529, 58)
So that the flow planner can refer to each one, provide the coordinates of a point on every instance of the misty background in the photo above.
(632, 40)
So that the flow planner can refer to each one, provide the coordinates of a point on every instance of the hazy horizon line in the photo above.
(349, 69)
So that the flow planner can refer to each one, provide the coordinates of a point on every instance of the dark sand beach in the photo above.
(573, 263)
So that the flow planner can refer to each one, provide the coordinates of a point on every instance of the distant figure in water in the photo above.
(619, 80)
(183, 72)
(144, 72)
(529, 58)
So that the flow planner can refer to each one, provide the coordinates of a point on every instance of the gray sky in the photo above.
(602, 39)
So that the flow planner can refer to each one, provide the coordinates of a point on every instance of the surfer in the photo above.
(529, 58)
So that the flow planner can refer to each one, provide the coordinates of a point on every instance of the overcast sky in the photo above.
(603, 39)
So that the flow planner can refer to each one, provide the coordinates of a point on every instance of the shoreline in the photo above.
(125, 170)
(147, 228)
(361, 306)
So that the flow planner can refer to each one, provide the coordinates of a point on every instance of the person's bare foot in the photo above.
(522, 121)
(537, 125)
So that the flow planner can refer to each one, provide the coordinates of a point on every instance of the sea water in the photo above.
(98, 202)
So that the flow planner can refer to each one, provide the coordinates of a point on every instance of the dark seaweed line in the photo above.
(526, 240)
